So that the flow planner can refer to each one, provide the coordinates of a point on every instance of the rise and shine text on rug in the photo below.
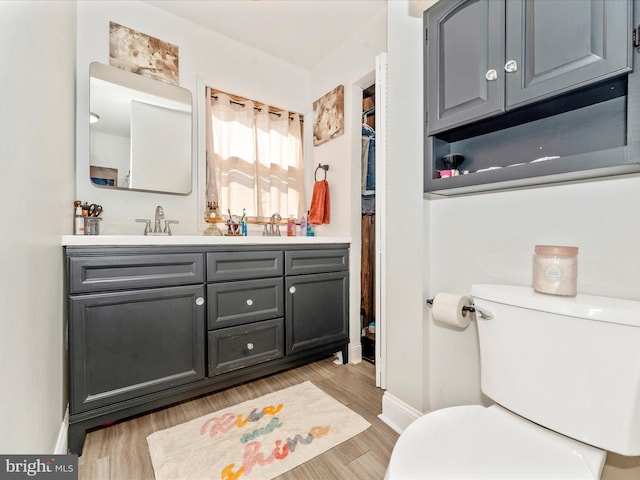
(253, 452)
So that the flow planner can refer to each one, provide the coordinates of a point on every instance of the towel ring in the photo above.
(323, 167)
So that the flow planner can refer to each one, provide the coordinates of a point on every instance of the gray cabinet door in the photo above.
(561, 45)
(465, 40)
(316, 310)
(128, 344)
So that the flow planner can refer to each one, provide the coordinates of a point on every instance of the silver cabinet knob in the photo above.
(249, 302)
(249, 346)
(292, 289)
(491, 75)
(199, 301)
(511, 66)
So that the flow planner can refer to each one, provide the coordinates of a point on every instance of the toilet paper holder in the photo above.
(469, 308)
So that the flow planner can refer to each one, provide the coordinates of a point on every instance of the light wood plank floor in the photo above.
(120, 452)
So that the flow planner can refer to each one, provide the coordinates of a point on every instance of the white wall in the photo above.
(405, 229)
(352, 65)
(490, 238)
(206, 58)
(37, 152)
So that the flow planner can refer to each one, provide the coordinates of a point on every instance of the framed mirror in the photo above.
(140, 132)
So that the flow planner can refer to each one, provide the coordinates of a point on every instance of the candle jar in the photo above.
(556, 270)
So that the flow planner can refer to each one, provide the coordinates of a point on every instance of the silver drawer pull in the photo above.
(249, 346)
(249, 302)
(199, 301)
(292, 289)
(491, 75)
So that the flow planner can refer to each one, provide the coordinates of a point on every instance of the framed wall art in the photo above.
(328, 116)
(142, 54)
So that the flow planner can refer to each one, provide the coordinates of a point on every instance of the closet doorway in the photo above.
(368, 226)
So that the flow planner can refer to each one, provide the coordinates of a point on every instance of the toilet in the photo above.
(564, 373)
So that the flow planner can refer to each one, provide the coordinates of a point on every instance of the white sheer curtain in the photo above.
(254, 159)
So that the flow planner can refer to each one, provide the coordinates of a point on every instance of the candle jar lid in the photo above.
(556, 250)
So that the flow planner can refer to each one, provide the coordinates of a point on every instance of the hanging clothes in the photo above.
(368, 163)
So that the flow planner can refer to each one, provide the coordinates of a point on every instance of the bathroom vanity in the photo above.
(150, 325)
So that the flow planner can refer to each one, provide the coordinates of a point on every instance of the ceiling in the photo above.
(301, 32)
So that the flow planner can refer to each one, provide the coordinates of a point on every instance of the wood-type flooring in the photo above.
(120, 452)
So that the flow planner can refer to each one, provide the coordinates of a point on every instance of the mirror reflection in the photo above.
(140, 132)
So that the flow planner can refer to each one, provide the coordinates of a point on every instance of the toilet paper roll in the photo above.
(447, 309)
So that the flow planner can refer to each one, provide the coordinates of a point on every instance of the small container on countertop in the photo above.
(556, 270)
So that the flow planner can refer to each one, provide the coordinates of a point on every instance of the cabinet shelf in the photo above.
(579, 139)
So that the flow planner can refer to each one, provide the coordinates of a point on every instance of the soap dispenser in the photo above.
(78, 219)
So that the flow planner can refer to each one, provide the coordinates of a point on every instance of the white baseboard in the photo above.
(396, 413)
(62, 446)
(355, 352)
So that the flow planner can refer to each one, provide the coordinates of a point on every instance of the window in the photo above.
(254, 158)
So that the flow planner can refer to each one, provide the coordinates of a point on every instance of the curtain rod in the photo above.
(236, 100)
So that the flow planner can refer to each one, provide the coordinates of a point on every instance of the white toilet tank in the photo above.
(571, 364)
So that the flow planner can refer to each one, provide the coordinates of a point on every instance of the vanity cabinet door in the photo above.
(132, 343)
(316, 310)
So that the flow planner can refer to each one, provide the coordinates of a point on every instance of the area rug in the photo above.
(256, 439)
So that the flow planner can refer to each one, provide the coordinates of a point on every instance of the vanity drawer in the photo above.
(236, 303)
(243, 265)
(242, 346)
(317, 260)
(121, 272)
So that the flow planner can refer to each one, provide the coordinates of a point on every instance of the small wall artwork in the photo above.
(328, 116)
(139, 53)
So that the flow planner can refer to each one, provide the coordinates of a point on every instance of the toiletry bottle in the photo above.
(291, 226)
(303, 225)
(78, 221)
(244, 223)
(310, 229)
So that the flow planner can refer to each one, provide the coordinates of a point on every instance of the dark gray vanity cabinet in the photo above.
(317, 287)
(150, 326)
(484, 57)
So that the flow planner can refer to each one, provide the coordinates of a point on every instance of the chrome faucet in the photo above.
(271, 232)
(159, 217)
(157, 230)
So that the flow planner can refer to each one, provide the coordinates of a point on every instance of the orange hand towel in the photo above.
(319, 212)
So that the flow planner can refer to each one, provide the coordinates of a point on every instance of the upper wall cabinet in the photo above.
(485, 57)
(529, 92)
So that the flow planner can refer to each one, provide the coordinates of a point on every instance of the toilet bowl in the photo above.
(476, 442)
(565, 376)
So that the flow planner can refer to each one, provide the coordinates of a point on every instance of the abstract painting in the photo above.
(142, 54)
(328, 116)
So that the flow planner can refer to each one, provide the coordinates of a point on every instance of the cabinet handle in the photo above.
(292, 289)
(491, 75)
(249, 346)
(511, 66)
(199, 301)
(249, 302)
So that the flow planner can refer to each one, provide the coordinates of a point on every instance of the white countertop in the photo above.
(107, 240)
